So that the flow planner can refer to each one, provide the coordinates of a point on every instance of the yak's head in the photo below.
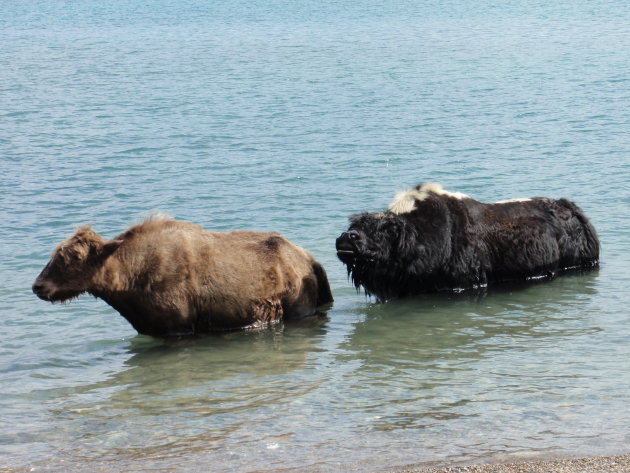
(399, 252)
(72, 265)
(377, 248)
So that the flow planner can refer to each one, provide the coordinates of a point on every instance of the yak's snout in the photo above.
(347, 246)
(48, 291)
(41, 290)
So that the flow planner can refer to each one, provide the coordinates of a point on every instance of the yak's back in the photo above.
(238, 263)
(159, 226)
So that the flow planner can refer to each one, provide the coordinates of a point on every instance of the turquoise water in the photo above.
(290, 116)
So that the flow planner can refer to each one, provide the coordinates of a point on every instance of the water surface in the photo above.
(290, 116)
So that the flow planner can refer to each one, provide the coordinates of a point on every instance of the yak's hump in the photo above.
(405, 201)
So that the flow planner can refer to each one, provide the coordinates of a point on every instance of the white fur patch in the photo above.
(437, 189)
(405, 201)
(509, 201)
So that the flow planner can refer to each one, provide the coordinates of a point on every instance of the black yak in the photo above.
(432, 240)
(170, 278)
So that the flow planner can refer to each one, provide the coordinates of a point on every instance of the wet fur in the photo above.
(172, 278)
(445, 241)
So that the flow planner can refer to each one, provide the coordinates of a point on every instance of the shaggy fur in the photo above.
(172, 278)
(433, 240)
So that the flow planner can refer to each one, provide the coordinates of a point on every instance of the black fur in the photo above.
(446, 243)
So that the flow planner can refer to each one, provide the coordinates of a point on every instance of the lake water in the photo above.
(291, 116)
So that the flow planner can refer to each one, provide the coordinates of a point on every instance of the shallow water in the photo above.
(290, 117)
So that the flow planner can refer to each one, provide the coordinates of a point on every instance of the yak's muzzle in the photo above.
(346, 246)
(41, 291)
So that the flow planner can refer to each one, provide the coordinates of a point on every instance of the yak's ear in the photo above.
(109, 247)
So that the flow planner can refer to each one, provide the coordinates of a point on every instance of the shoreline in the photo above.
(598, 464)
(593, 464)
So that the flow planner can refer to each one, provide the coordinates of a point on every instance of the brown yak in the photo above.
(171, 278)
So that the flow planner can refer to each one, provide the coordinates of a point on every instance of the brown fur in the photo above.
(173, 278)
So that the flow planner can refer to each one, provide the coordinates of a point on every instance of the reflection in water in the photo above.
(468, 325)
(482, 360)
(184, 396)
